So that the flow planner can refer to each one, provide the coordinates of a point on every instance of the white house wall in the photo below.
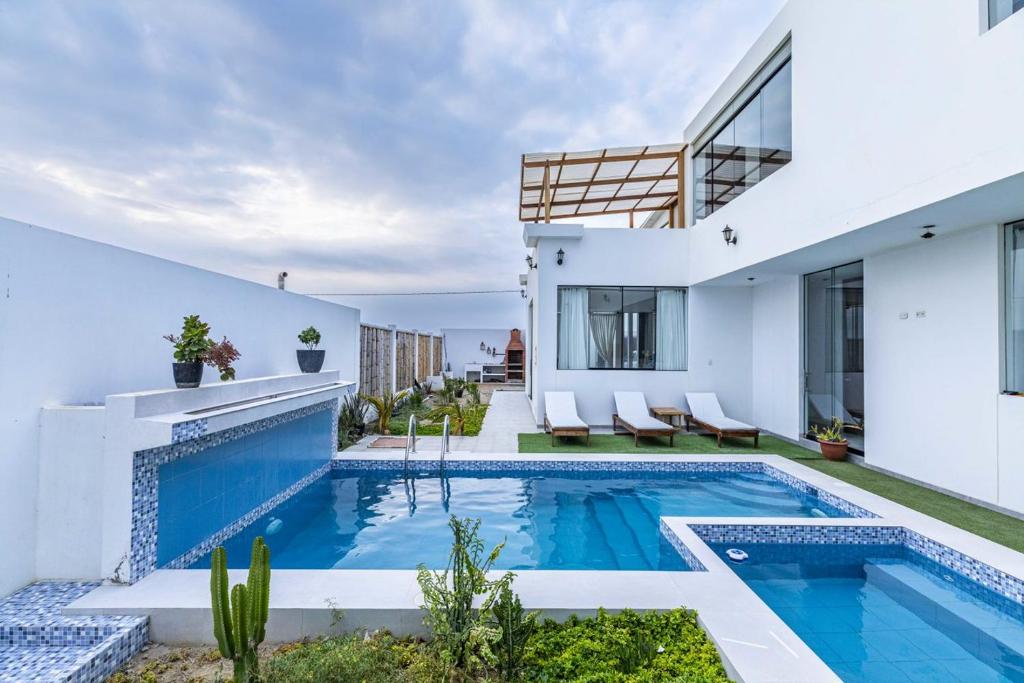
(777, 363)
(80, 320)
(932, 378)
(896, 105)
(719, 331)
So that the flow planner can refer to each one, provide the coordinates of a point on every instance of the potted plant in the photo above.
(190, 351)
(311, 359)
(833, 443)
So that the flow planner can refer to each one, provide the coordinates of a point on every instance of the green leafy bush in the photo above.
(464, 635)
(516, 626)
(351, 420)
(474, 421)
(194, 342)
(629, 647)
(378, 659)
(310, 337)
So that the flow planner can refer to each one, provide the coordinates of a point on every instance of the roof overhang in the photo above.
(558, 185)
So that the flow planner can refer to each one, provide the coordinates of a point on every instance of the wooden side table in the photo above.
(670, 415)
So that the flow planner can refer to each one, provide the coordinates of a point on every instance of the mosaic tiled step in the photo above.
(38, 643)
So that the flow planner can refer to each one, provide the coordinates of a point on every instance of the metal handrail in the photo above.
(444, 440)
(410, 439)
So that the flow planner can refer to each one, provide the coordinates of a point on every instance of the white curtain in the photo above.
(671, 337)
(572, 329)
(604, 328)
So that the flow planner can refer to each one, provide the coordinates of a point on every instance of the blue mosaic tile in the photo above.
(185, 431)
(979, 572)
(689, 559)
(145, 485)
(39, 643)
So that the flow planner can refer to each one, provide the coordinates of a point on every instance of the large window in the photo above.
(1015, 306)
(621, 328)
(750, 140)
(1002, 9)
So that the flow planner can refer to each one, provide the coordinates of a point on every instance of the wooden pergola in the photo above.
(629, 180)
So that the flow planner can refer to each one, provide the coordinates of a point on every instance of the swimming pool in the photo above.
(886, 612)
(549, 519)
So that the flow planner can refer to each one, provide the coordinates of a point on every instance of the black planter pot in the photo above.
(187, 375)
(310, 361)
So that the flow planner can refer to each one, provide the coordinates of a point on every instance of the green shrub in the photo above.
(400, 421)
(517, 626)
(624, 648)
(310, 337)
(464, 634)
(379, 659)
(194, 342)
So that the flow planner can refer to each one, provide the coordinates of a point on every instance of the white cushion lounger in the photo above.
(631, 413)
(561, 417)
(707, 414)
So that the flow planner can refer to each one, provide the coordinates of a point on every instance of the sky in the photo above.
(359, 146)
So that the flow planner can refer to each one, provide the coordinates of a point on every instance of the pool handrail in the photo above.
(445, 431)
(410, 439)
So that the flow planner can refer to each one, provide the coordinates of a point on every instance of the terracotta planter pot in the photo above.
(834, 451)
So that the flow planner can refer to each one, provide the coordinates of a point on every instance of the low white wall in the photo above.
(80, 320)
(932, 382)
(462, 346)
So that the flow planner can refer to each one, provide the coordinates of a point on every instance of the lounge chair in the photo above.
(561, 417)
(828, 406)
(706, 413)
(631, 414)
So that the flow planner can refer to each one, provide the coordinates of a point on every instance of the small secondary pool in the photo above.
(603, 520)
(886, 613)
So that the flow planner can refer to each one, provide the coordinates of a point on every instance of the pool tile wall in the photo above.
(975, 570)
(189, 494)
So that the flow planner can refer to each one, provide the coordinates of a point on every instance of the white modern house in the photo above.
(839, 233)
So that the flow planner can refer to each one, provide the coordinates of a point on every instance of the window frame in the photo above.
(1007, 309)
(622, 289)
(752, 89)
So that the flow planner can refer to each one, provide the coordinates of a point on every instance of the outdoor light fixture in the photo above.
(560, 257)
(522, 293)
(729, 234)
(483, 347)
(529, 262)
(927, 233)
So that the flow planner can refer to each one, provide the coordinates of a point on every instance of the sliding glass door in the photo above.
(834, 350)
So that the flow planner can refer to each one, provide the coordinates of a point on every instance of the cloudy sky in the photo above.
(361, 146)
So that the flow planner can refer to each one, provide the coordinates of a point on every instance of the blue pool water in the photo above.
(886, 613)
(549, 520)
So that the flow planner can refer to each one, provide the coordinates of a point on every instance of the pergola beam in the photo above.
(569, 184)
(639, 156)
(604, 200)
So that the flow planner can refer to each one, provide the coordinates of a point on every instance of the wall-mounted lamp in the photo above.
(560, 257)
(926, 232)
(522, 293)
(729, 234)
(483, 347)
(529, 262)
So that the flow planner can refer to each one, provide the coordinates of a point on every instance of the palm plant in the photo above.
(386, 404)
(457, 415)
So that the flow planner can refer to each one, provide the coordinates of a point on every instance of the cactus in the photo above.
(240, 617)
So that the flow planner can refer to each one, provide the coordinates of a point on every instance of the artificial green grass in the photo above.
(1002, 529)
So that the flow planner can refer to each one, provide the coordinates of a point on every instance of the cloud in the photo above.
(360, 146)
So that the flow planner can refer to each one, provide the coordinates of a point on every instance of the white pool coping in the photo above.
(755, 644)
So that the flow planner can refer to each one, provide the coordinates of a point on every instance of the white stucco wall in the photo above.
(718, 318)
(896, 105)
(932, 382)
(462, 345)
(80, 320)
(777, 362)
